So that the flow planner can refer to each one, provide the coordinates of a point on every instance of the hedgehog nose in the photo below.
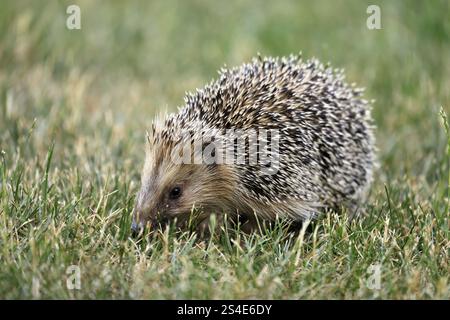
(136, 229)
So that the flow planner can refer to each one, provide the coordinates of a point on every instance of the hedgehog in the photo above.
(305, 147)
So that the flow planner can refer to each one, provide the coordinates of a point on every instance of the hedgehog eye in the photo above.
(175, 193)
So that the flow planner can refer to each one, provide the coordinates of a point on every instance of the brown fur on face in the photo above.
(209, 188)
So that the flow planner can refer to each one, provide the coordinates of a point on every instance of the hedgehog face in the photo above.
(170, 190)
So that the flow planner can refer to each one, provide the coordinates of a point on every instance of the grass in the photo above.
(74, 106)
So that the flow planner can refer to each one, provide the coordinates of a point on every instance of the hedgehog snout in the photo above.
(136, 229)
(139, 220)
(137, 224)
(143, 216)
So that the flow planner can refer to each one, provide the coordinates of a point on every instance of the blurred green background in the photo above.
(132, 59)
(93, 92)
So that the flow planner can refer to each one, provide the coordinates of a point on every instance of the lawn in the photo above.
(75, 105)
